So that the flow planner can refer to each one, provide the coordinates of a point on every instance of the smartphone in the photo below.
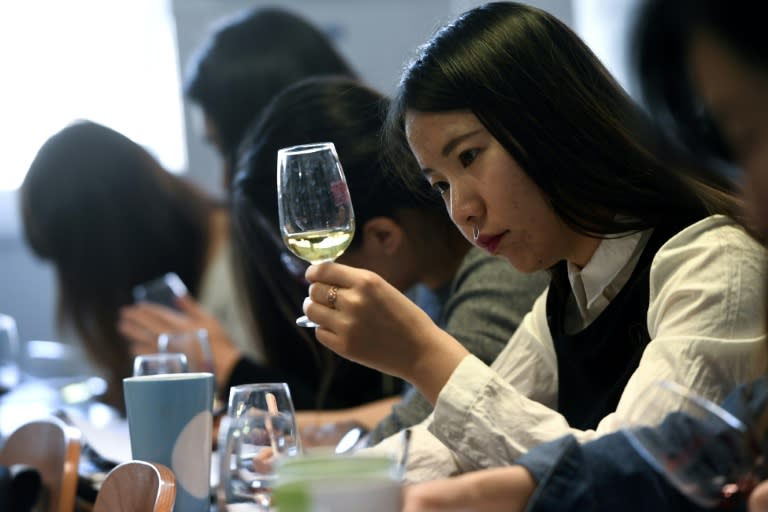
(163, 290)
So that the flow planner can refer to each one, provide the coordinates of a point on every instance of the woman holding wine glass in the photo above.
(687, 53)
(541, 158)
(403, 235)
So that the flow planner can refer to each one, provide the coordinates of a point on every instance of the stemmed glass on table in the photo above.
(259, 428)
(9, 353)
(703, 450)
(194, 344)
(158, 364)
(316, 218)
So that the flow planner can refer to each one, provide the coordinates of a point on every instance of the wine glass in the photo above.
(316, 218)
(9, 353)
(194, 344)
(156, 364)
(258, 429)
(703, 450)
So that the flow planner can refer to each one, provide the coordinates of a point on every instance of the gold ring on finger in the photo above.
(333, 295)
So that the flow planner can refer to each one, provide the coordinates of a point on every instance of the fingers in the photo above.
(318, 312)
(143, 323)
(152, 314)
(142, 340)
(341, 275)
(327, 295)
(191, 307)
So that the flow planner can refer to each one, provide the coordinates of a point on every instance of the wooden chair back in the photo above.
(53, 449)
(137, 486)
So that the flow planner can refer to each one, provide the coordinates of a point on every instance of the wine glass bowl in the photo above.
(259, 428)
(162, 363)
(702, 449)
(317, 222)
(194, 344)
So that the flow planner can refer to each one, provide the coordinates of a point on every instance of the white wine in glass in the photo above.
(316, 218)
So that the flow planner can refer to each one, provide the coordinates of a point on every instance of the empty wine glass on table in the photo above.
(194, 344)
(157, 364)
(9, 353)
(258, 429)
(316, 218)
(703, 450)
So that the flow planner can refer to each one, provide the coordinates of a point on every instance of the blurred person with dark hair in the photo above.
(244, 62)
(109, 217)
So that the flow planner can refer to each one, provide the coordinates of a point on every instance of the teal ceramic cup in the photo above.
(319, 483)
(170, 422)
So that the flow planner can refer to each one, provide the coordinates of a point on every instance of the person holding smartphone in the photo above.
(109, 217)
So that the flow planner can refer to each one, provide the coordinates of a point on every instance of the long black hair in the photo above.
(318, 109)
(542, 93)
(247, 59)
(104, 212)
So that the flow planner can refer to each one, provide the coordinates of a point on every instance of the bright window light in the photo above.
(604, 25)
(111, 61)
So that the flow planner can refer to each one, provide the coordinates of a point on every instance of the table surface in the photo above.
(99, 424)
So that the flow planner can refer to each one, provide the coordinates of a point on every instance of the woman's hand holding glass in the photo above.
(316, 218)
(372, 323)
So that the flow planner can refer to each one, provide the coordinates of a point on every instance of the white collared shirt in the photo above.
(706, 323)
(606, 273)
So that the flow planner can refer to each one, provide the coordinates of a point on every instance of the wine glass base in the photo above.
(303, 321)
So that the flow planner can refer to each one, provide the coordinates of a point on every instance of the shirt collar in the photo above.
(614, 257)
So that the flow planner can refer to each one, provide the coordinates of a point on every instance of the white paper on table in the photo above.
(112, 441)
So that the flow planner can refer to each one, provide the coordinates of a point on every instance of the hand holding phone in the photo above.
(163, 290)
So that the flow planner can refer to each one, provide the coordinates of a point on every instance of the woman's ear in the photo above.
(382, 235)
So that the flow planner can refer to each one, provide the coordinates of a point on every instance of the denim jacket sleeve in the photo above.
(609, 474)
(603, 475)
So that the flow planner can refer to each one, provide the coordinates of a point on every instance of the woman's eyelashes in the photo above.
(468, 156)
(440, 186)
(465, 157)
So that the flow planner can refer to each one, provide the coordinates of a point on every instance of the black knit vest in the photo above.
(594, 364)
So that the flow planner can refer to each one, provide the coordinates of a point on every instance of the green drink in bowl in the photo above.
(315, 483)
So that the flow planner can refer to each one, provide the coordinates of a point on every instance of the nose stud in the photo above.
(476, 232)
